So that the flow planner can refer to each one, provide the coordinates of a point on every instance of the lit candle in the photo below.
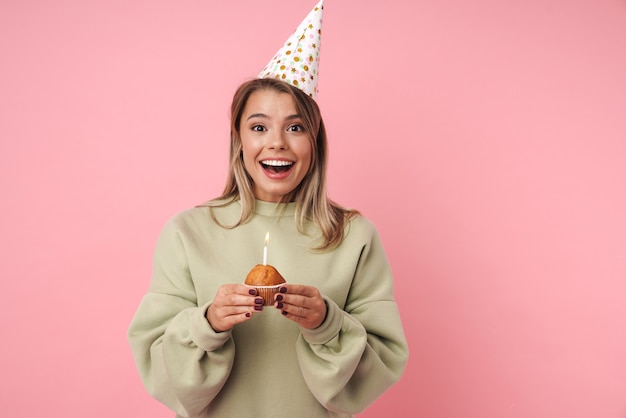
(267, 238)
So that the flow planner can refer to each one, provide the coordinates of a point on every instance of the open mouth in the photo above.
(276, 166)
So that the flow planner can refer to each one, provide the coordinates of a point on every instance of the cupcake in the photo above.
(266, 280)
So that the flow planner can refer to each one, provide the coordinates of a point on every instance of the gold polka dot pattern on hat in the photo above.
(297, 61)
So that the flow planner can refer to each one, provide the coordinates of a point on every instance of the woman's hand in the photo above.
(301, 304)
(233, 304)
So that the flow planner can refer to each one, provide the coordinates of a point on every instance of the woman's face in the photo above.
(276, 149)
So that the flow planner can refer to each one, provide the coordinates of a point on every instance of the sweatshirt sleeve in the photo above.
(360, 351)
(182, 361)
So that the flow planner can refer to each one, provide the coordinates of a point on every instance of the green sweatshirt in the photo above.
(268, 366)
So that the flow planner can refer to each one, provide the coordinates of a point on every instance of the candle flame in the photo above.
(267, 238)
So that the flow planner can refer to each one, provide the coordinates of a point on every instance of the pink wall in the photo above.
(486, 140)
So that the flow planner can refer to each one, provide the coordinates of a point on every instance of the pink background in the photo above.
(485, 139)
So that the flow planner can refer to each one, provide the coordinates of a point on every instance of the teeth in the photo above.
(277, 163)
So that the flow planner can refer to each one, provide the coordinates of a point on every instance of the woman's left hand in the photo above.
(301, 304)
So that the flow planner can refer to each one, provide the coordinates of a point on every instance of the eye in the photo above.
(295, 128)
(258, 128)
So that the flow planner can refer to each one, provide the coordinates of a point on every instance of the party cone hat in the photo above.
(297, 61)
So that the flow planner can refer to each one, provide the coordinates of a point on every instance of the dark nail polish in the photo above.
(279, 306)
(258, 308)
(283, 290)
(279, 298)
(284, 312)
(258, 301)
(248, 314)
(252, 292)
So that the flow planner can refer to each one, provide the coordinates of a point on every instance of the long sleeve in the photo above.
(182, 361)
(338, 369)
(359, 351)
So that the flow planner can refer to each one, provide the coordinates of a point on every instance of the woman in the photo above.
(332, 343)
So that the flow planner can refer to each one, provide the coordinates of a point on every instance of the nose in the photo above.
(277, 141)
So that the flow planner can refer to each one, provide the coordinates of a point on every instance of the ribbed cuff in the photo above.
(329, 328)
(203, 335)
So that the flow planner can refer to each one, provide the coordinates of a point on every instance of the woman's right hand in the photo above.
(233, 304)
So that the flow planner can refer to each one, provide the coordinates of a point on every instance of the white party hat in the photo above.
(297, 61)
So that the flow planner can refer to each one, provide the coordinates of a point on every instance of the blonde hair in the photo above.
(312, 202)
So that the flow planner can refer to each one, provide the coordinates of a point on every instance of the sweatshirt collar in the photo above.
(272, 209)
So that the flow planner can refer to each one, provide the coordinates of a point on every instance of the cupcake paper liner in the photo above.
(267, 293)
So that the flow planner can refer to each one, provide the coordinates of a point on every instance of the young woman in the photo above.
(332, 343)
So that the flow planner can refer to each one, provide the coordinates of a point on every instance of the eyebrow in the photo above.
(264, 116)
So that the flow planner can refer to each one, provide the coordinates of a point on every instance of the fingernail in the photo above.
(252, 292)
(248, 314)
(279, 305)
(279, 297)
(283, 289)
(284, 312)
(258, 308)
(258, 301)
